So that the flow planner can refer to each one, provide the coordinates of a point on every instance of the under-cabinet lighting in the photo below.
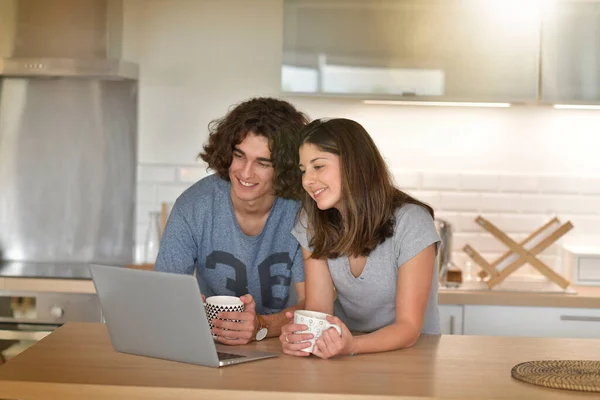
(436, 103)
(576, 107)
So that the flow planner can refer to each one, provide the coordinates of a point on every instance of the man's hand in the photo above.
(237, 328)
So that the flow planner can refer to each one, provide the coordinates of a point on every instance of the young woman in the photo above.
(369, 249)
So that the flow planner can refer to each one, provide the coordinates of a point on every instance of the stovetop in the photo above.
(24, 269)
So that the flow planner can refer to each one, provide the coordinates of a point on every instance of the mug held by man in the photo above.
(317, 324)
(216, 304)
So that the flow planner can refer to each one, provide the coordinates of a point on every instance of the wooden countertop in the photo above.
(586, 297)
(57, 285)
(77, 362)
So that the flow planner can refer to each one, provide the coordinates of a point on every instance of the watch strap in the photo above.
(262, 324)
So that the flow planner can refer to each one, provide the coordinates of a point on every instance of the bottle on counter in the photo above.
(152, 238)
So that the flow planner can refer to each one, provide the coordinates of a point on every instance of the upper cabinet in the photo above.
(571, 51)
(465, 50)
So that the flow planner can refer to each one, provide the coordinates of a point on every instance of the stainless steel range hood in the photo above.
(68, 129)
(63, 38)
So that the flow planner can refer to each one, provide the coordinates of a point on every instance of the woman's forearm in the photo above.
(392, 337)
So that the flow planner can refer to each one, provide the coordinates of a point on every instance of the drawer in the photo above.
(451, 319)
(532, 321)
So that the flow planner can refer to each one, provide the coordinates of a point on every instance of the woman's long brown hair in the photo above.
(369, 196)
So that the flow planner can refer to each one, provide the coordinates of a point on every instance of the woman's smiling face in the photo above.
(321, 176)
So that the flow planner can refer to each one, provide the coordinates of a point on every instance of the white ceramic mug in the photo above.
(317, 324)
(216, 304)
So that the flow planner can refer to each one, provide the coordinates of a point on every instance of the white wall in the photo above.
(518, 167)
(521, 139)
(198, 57)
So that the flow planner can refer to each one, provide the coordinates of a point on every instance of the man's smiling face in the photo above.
(251, 171)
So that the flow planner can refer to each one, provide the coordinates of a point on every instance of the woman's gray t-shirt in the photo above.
(368, 303)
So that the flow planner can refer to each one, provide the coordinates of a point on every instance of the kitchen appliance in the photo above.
(582, 264)
(68, 127)
(444, 263)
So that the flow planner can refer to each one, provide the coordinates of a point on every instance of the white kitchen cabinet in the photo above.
(571, 51)
(428, 50)
(531, 321)
(451, 319)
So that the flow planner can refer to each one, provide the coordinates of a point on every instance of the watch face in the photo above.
(261, 334)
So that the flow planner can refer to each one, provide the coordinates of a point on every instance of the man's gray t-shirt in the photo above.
(368, 303)
(202, 234)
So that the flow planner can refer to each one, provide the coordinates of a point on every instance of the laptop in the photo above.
(161, 315)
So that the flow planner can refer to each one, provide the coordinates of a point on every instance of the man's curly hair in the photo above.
(276, 120)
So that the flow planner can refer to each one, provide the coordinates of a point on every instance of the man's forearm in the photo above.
(276, 321)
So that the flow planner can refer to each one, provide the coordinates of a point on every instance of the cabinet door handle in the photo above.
(452, 324)
(579, 318)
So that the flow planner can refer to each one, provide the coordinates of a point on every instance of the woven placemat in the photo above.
(580, 375)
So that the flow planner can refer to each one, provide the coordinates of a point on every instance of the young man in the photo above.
(233, 228)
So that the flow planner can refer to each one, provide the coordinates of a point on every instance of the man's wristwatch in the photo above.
(262, 331)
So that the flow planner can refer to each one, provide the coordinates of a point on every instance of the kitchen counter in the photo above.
(80, 282)
(77, 362)
(585, 297)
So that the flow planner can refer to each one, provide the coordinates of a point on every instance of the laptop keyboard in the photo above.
(228, 356)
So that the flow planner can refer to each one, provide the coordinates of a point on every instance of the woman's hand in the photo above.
(331, 344)
(293, 343)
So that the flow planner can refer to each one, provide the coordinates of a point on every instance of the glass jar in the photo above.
(152, 238)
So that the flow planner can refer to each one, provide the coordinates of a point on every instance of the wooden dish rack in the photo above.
(521, 253)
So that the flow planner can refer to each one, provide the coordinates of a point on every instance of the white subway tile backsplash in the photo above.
(407, 179)
(551, 261)
(539, 204)
(590, 185)
(146, 193)
(488, 243)
(517, 204)
(560, 184)
(445, 181)
(526, 271)
(519, 223)
(191, 174)
(461, 239)
(480, 182)
(153, 173)
(169, 193)
(493, 202)
(450, 217)
(588, 205)
(460, 259)
(429, 197)
(582, 224)
(466, 223)
(575, 204)
(518, 183)
(460, 201)
(489, 257)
